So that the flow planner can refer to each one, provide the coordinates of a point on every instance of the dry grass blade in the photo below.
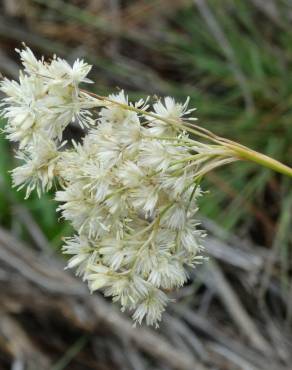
(19, 345)
(235, 308)
(233, 256)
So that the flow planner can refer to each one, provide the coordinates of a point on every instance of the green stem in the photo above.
(259, 158)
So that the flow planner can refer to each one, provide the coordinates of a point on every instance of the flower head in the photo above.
(130, 188)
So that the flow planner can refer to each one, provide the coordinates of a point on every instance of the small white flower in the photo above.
(38, 171)
(159, 155)
(130, 174)
(114, 252)
(168, 109)
(21, 108)
(191, 236)
(100, 278)
(62, 73)
(98, 179)
(168, 273)
(30, 63)
(176, 216)
(117, 203)
(116, 114)
(176, 185)
(87, 217)
(151, 308)
(80, 248)
(171, 109)
(145, 198)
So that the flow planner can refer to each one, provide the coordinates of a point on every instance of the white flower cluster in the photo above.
(38, 109)
(129, 189)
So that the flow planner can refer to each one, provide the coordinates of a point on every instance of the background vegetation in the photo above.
(233, 59)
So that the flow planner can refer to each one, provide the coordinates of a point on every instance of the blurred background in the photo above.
(233, 58)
